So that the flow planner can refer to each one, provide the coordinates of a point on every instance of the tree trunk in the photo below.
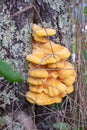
(15, 34)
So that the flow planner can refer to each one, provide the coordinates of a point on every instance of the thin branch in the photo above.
(22, 11)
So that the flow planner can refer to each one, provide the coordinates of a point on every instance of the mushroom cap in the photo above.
(55, 87)
(32, 65)
(50, 59)
(35, 66)
(40, 39)
(42, 59)
(51, 86)
(36, 56)
(42, 98)
(36, 81)
(33, 59)
(62, 95)
(36, 27)
(69, 89)
(66, 71)
(39, 73)
(50, 47)
(59, 64)
(40, 32)
(35, 44)
(44, 32)
(70, 80)
(63, 53)
(38, 88)
(39, 52)
(53, 73)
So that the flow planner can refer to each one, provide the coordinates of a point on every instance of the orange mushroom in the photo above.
(36, 56)
(40, 39)
(42, 59)
(45, 32)
(59, 65)
(66, 71)
(42, 98)
(36, 81)
(63, 53)
(38, 88)
(53, 73)
(51, 47)
(35, 66)
(55, 87)
(39, 73)
(52, 87)
(50, 75)
(69, 89)
(35, 27)
(70, 80)
(40, 32)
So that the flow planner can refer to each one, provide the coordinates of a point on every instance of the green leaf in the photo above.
(85, 10)
(61, 125)
(9, 73)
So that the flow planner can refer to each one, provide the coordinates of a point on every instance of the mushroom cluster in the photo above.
(50, 74)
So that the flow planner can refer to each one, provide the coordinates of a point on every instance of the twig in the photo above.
(21, 11)
(12, 114)
(76, 4)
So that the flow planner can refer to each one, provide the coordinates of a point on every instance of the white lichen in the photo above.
(60, 8)
(12, 124)
(55, 4)
(14, 43)
(7, 97)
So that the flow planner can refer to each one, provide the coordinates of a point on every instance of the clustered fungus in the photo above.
(51, 76)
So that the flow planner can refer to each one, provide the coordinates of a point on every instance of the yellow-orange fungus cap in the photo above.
(39, 73)
(36, 81)
(55, 87)
(38, 89)
(66, 71)
(42, 98)
(69, 89)
(70, 80)
(44, 32)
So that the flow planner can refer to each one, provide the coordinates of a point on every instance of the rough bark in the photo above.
(55, 14)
